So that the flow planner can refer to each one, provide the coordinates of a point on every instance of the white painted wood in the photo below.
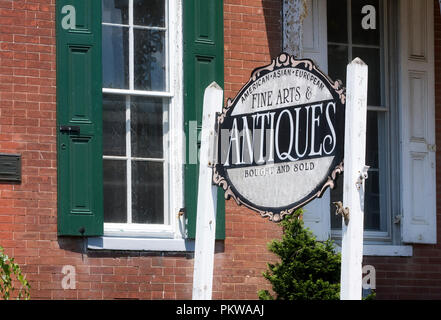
(134, 158)
(129, 160)
(131, 48)
(317, 217)
(140, 244)
(315, 33)
(381, 250)
(353, 196)
(162, 94)
(417, 121)
(138, 26)
(140, 230)
(183, 245)
(128, 115)
(315, 47)
(176, 139)
(207, 199)
(387, 251)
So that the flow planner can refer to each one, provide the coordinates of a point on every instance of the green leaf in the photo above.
(8, 271)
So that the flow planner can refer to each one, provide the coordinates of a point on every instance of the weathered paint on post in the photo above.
(207, 198)
(353, 188)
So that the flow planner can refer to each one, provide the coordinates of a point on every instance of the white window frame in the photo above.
(378, 237)
(173, 227)
(413, 55)
(315, 46)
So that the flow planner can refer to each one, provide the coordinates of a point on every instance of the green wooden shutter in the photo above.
(203, 64)
(79, 113)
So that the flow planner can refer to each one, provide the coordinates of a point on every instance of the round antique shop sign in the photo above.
(281, 138)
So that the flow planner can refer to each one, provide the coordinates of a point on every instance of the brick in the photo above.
(28, 211)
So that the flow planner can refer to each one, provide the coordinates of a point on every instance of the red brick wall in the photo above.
(252, 37)
(28, 210)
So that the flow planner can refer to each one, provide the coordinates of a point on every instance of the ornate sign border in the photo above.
(221, 179)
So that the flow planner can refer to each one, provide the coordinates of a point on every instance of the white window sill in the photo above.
(183, 245)
(384, 250)
(124, 230)
(140, 244)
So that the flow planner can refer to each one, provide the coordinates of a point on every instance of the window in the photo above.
(139, 97)
(356, 28)
(400, 198)
(129, 102)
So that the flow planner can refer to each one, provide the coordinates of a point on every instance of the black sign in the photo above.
(281, 138)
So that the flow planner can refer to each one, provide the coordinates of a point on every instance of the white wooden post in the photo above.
(207, 198)
(353, 185)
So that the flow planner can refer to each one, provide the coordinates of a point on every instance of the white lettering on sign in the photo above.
(330, 138)
(270, 92)
(295, 126)
(369, 20)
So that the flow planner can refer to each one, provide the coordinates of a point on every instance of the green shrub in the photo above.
(308, 269)
(8, 271)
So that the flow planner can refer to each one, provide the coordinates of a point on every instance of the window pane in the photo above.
(373, 59)
(337, 21)
(115, 57)
(338, 60)
(114, 125)
(372, 202)
(365, 44)
(372, 139)
(149, 13)
(115, 191)
(116, 11)
(372, 187)
(147, 127)
(147, 192)
(150, 60)
(361, 35)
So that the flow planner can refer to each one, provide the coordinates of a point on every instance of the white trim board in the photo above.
(384, 250)
(183, 245)
(140, 244)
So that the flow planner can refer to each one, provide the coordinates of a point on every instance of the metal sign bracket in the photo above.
(343, 212)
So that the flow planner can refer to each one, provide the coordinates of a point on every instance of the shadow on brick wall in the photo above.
(272, 11)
